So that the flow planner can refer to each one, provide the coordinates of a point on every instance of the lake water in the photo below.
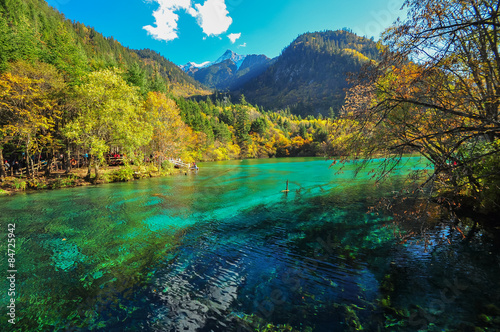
(226, 250)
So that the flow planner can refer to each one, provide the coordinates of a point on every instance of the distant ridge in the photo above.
(309, 77)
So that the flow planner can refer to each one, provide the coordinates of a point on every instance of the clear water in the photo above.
(226, 250)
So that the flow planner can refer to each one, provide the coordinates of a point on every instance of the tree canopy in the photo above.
(436, 92)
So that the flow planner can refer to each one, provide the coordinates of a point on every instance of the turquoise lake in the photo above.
(226, 250)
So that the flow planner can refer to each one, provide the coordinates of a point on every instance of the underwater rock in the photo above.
(65, 255)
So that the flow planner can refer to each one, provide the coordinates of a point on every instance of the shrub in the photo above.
(151, 169)
(123, 174)
(37, 184)
(20, 184)
(69, 181)
(167, 165)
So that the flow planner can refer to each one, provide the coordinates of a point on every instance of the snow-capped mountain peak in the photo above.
(230, 55)
(191, 65)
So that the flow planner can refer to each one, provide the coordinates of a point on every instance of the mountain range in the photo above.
(237, 59)
(309, 77)
(229, 71)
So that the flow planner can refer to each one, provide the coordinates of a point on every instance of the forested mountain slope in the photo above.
(310, 75)
(31, 30)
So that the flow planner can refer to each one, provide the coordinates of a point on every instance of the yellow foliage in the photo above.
(27, 111)
(172, 138)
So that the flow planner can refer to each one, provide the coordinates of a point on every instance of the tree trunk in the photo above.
(78, 161)
(3, 174)
(27, 161)
(32, 167)
(67, 160)
(96, 169)
(89, 171)
(47, 165)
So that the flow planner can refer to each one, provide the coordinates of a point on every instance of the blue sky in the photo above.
(202, 30)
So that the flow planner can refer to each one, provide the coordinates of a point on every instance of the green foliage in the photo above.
(5, 42)
(64, 182)
(242, 128)
(222, 132)
(83, 93)
(123, 174)
(321, 135)
(259, 126)
(168, 70)
(20, 184)
(146, 171)
(110, 112)
(157, 83)
(302, 130)
(136, 76)
(167, 166)
(65, 53)
(476, 173)
(227, 116)
(37, 184)
(33, 31)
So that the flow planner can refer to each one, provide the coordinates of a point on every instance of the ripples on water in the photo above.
(225, 250)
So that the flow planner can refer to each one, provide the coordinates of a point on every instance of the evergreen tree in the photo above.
(242, 128)
(302, 131)
(157, 83)
(5, 42)
(227, 117)
(259, 126)
(136, 76)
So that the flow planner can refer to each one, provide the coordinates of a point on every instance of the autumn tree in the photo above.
(28, 109)
(110, 114)
(436, 91)
(171, 136)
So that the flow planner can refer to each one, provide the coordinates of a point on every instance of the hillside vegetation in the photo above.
(31, 30)
(310, 76)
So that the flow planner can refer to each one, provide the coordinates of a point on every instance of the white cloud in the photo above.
(243, 45)
(213, 17)
(233, 37)
(166, 18)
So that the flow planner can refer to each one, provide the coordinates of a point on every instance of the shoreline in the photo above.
(76, 177)
(13, 185)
